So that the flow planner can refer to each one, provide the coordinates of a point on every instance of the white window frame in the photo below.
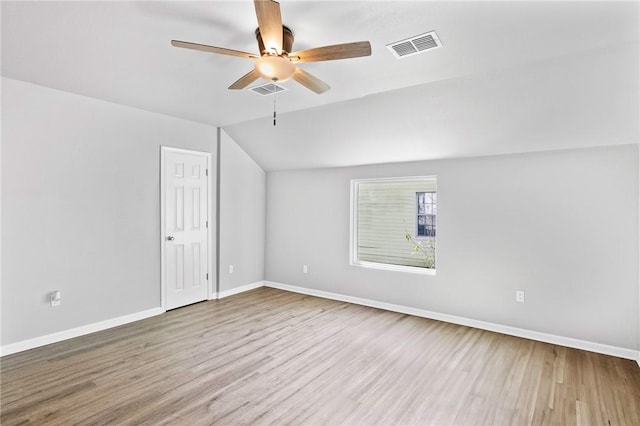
(353, 231)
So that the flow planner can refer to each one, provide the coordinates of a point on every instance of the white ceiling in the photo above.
(511, 76)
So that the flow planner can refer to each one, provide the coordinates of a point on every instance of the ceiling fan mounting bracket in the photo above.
(287, 42)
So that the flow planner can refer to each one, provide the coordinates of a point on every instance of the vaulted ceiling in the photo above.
(510, 77)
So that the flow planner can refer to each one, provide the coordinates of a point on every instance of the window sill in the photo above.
(397, 268)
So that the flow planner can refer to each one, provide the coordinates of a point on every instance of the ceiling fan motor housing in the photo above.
(287, 41)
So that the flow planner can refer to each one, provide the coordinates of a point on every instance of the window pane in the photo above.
(421, 226)
(430, 220)
(420, 197)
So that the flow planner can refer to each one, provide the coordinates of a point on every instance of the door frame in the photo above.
(163, 233)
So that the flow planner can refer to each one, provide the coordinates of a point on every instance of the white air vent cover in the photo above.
(267, 89)
(414, 45)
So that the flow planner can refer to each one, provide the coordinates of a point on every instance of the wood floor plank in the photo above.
(272, 357)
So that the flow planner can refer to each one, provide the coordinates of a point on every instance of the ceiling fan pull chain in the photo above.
(275, 92)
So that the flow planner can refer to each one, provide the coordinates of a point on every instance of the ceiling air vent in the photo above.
(267, 89)
(414, 45)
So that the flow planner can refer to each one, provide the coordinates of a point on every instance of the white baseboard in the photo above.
(240, 289)
(75, 332)
(498, 328)
(504, 329)
(103, 325)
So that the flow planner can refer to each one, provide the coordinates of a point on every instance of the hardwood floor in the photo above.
(273, 357)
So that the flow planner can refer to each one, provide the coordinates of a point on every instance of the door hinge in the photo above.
(207, 276)
(206, 172)
(206, 224)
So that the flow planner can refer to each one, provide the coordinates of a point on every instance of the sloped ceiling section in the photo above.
(586, 99)
(511, 76)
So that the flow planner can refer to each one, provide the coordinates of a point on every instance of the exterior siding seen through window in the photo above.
(393, 222)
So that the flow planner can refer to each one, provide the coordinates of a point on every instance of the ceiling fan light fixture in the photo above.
(275, 68)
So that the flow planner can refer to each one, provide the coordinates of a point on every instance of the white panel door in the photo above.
(185, 228)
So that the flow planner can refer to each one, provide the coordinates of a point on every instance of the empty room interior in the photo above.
(320, 212)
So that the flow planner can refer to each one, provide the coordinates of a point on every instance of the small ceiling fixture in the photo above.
(267, 89)
(414, 45)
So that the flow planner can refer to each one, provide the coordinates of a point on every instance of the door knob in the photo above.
(171, 238)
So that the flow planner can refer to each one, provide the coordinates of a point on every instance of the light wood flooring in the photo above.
(273, 357)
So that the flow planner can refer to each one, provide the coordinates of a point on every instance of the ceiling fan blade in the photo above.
(245, 80)
(270, 24)
(336, 51)
(211, 49)
(309, 81)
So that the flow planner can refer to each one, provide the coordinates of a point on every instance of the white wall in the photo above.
(80, 214)
(242, 217)
(80, 207)
(563, 226)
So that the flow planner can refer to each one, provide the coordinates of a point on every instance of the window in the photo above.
(393, 223)
(426, 214)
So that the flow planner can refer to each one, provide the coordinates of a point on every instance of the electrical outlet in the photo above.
(520, 296)
(231, 269)
(55, 298)
(305, 269)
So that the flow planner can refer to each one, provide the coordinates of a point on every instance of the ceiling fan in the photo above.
(276, 62)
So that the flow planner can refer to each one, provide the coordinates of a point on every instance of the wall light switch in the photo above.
(305, 269)
(231, 269)
(520, 296)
